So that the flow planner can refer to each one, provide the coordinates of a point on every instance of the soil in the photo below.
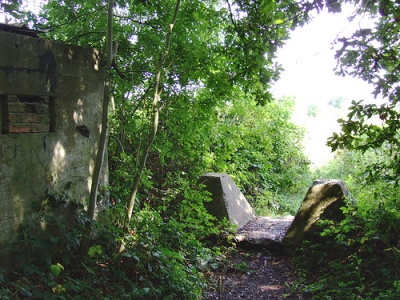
(258, 268)
(249, 273)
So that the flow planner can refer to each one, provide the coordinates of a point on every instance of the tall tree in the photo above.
(104, 128)
(218, 47)
(155, 112)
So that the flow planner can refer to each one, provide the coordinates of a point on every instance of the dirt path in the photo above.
(258, 268)
(253, 274)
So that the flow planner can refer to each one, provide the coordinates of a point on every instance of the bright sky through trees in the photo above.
(308, 60)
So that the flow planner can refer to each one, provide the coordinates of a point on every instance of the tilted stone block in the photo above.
(323, 201)
(227, 200)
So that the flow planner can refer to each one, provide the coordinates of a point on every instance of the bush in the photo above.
(165, 257)
(357, 258)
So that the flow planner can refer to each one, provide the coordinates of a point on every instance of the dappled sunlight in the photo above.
(92, 163)
(59, 158)
(82, 87)
(99, 126)
(18, 209)
(78, 113)
(69, 53)
(89, 183)
(43, 225)
(270, 287)
(96, 58)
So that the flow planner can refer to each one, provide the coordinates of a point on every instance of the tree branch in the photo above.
(83, 34)
(155, 108)
(137, 22)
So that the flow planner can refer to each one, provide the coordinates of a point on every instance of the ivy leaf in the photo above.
(94, 249)
(56, 269)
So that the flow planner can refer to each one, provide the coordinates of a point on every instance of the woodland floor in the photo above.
(254, 272)
(258, 268)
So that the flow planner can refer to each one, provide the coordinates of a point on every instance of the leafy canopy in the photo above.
(373, 55)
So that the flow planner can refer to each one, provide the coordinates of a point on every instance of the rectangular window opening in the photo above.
(27, 114)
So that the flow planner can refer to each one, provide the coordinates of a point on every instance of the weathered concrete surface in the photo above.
(323, 201)
(227, 200)
(61, 159)
(264, 230)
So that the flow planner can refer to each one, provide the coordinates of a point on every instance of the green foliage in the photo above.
(166, 246)
(281, 203)
(166, 254)
(243, 266)
(337, 102)
(16, 10)
(312, 110)
(371, 134)
(52, 230)
(372, 54)
(215, 46)
(366, 135)
(358, 257)
(259, 147)
(51, 234)
(56, 269)
(216, 114)
(95, 250)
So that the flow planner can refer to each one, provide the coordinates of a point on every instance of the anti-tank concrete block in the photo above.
(323, 201)
(227, 200)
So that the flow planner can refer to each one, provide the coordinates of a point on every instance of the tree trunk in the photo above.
(157, 93)
(103, 134)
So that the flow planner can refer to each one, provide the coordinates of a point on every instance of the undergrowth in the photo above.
(359, 257)
(165, 258)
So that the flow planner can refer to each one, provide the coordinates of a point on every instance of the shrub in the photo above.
(357, 258)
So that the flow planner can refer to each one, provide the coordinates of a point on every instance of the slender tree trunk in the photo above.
(104, 131)
(155, 109)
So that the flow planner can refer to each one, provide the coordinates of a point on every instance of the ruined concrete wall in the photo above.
(50, 114)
